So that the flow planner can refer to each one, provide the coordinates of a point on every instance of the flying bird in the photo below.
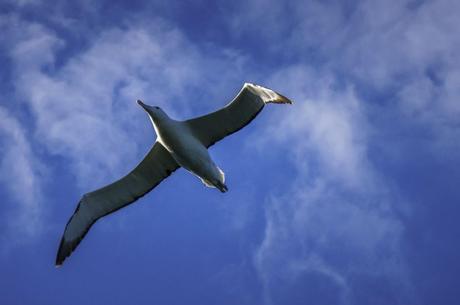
(178, 143)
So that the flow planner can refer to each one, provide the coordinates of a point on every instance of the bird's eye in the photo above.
(157, 107)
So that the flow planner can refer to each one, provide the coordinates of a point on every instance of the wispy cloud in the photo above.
(20, 177)
(338, 218)
(328, 122)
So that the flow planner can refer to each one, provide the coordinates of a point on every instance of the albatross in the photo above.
(178, 144)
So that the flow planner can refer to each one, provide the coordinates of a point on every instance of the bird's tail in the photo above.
(221, 187)
(216, 183)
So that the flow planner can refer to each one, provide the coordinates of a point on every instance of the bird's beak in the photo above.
(142, 104)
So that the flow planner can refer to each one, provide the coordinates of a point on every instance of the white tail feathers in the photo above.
(219, 183)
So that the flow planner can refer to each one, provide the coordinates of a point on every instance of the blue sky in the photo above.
(350, 196)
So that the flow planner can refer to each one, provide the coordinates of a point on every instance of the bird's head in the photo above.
(155, 112)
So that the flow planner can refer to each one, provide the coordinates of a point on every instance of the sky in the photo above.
(349, 196)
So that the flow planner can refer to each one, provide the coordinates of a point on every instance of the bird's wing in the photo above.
(238, 113)
(156, 166)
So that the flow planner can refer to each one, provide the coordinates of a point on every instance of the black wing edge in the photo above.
(67, 247)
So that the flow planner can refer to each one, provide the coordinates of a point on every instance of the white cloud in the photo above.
(409, 45)
(20, 177)
(318, 228)
(338, 218)
(324, 123)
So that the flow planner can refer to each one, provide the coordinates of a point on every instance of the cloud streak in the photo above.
(338, 218)
(20, 177)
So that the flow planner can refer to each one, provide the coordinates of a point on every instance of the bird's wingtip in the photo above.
(281, 99)
(60, 258)
(268, 95)
(64, 251)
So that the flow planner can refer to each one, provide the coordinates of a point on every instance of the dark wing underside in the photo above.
(238, 113)
(156, 166)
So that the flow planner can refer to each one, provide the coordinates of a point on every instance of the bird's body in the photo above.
(185, 148)
(179, 144)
